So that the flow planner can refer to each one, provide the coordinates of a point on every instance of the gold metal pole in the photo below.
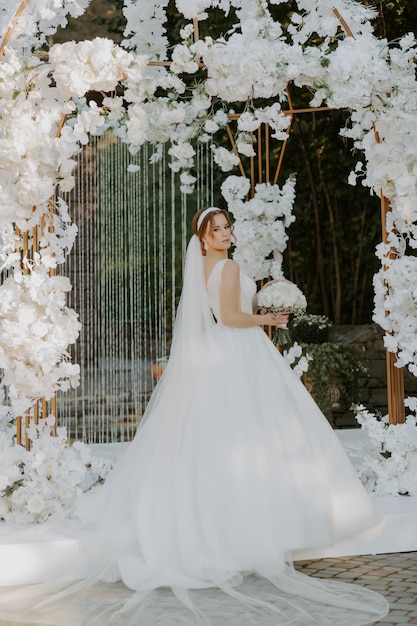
(267, 153)
(19, 430)
(252, 176)
(196, 31)
(53, 410)
(291, 112)
(25, 251)
(260, 160)
(27, 424)
(18, 417)
(235, 150)
(343, 23)
(36, 412)
(395, 375)
(35, 239)
(281, 154)
(44, 409)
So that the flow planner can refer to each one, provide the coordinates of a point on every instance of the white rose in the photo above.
(35, 504)
(265, 299)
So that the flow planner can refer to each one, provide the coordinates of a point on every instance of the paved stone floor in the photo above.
(393, 575)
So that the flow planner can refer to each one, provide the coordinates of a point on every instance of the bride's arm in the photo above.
(230, 311)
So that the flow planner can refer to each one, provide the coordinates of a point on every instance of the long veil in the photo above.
(107, 576)
(192, 336)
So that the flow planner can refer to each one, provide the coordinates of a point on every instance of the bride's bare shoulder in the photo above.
(231, 269)
(232, 266)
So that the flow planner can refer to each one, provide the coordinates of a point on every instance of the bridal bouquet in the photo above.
(278, 296)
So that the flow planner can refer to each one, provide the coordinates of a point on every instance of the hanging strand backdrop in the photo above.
(125, 269)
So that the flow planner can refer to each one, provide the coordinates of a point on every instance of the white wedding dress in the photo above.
(233, 467)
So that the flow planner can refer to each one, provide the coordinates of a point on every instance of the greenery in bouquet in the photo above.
(331, 363)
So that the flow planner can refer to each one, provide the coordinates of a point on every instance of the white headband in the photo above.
(211, 209)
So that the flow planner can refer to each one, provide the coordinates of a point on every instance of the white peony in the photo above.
(84, 66)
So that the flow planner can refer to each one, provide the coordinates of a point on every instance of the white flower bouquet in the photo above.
(278, 296)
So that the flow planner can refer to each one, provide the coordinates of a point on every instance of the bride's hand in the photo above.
(279, 322)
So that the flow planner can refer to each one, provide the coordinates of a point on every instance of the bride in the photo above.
(233, 467)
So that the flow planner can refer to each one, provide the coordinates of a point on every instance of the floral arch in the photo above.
(185, 101)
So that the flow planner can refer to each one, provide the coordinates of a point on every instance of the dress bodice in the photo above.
(247, 290)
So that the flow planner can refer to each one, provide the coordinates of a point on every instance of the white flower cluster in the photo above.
(45, 481)
(396, 297)
(96, 65)
(384, 129)
(391, 155)
(260, 224)
(389, 461)
(41, 129)
(39, 19)
(249, 54)
(35, 330)
(320, 18)
(30, 115)
(145, 27)
(298, 361)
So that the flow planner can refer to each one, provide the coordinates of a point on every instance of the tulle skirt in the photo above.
(233, 468)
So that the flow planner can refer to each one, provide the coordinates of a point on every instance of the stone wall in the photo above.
(373, 387)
